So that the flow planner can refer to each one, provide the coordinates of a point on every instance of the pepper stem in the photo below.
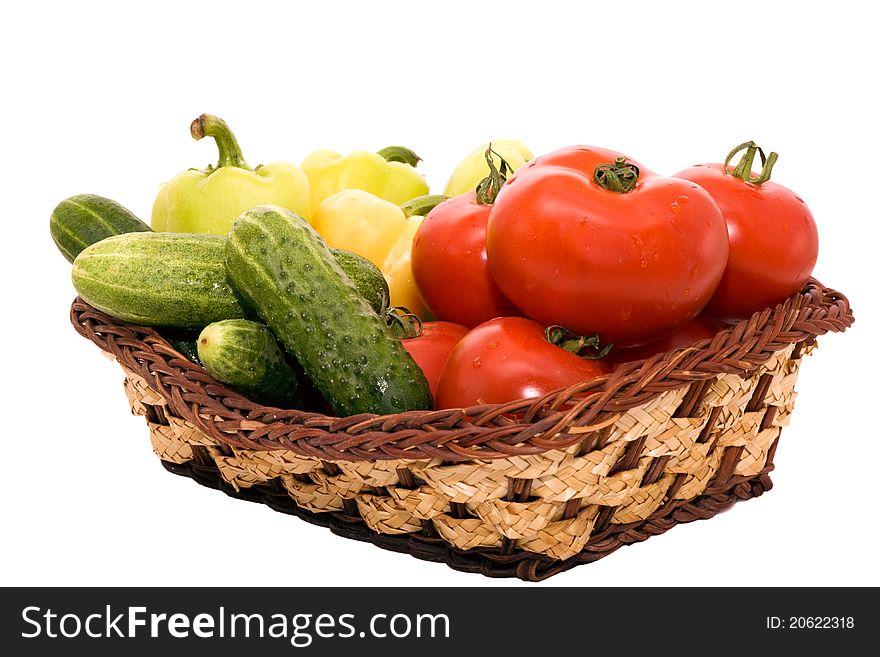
(619, 176)
(400, 154)
(420, 206)
(743, 169)
(208, 125)
(488, 187)
(585, 346)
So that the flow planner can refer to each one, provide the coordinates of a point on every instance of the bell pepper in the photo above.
(390, 174)
(474, 168)
(382, 232)
(210, 200)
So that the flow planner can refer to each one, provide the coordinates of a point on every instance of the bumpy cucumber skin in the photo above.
(367, 278)
(158, 279)
(245, 355)
(285, 271)
(82, 220)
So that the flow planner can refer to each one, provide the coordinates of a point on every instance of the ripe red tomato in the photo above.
(697, 329)
(431, 349)
(632, 264)
(773, 238)
(505, 359)
(449, 264)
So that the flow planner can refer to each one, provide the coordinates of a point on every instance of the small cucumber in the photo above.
(245, 355)
(285, 271)
(367, 278)
(82, 220)
(158, 279)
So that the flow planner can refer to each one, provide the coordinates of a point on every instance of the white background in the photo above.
(98, 98)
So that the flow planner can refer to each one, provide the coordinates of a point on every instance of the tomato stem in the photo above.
(402, 323)
(585, 346)
(400, 154)
(619, 176)
(488, 187)
(743, 169)
(208, 125)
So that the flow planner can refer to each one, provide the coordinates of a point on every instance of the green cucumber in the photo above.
(245, 355)
(367, 278)
(82, 220)
(158, 279)
(285, 271)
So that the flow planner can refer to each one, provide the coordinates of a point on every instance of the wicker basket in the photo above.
(526, 489)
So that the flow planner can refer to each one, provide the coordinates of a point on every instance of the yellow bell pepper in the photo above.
(379, 230)
(474, 168)
(390, 174)
(210, 200)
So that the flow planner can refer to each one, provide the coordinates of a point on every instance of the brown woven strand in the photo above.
(554, 421)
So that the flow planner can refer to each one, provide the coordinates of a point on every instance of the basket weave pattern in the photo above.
(527, 488)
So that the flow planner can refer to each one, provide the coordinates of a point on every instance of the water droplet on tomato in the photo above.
(687, 292)
(695, 272)
(637, 240)
(784, 226)
(626, 311)
(491, 345)
(682, 199)
(643, 262)
(675, 208)
(478, 362)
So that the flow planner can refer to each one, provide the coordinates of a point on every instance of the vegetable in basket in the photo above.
(390, 174)
(245, 355)
(82, 220)
(285, 271)
(774, 242)
(589, 239)
(209, 200)
(449, 254)
(179, 279)
(510, 358)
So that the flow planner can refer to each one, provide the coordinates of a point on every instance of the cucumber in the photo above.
(285, 271)
(367, 278)
(158, 279)
(82, 220)
(245, 355)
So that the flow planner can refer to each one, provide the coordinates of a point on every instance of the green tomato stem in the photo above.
(402, 323)
(400, 154)
(208, 125)
(743, 169)
(619, 176)
(585, 346)
(488, 187)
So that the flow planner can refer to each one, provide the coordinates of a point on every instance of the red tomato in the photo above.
(632, 265)
(449, 264)
(694, 331)
(506, 359)
(773, 238)
(431, 349)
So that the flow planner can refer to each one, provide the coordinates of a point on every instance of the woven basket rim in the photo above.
(488, 431)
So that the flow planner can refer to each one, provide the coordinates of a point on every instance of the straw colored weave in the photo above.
(558, 480)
